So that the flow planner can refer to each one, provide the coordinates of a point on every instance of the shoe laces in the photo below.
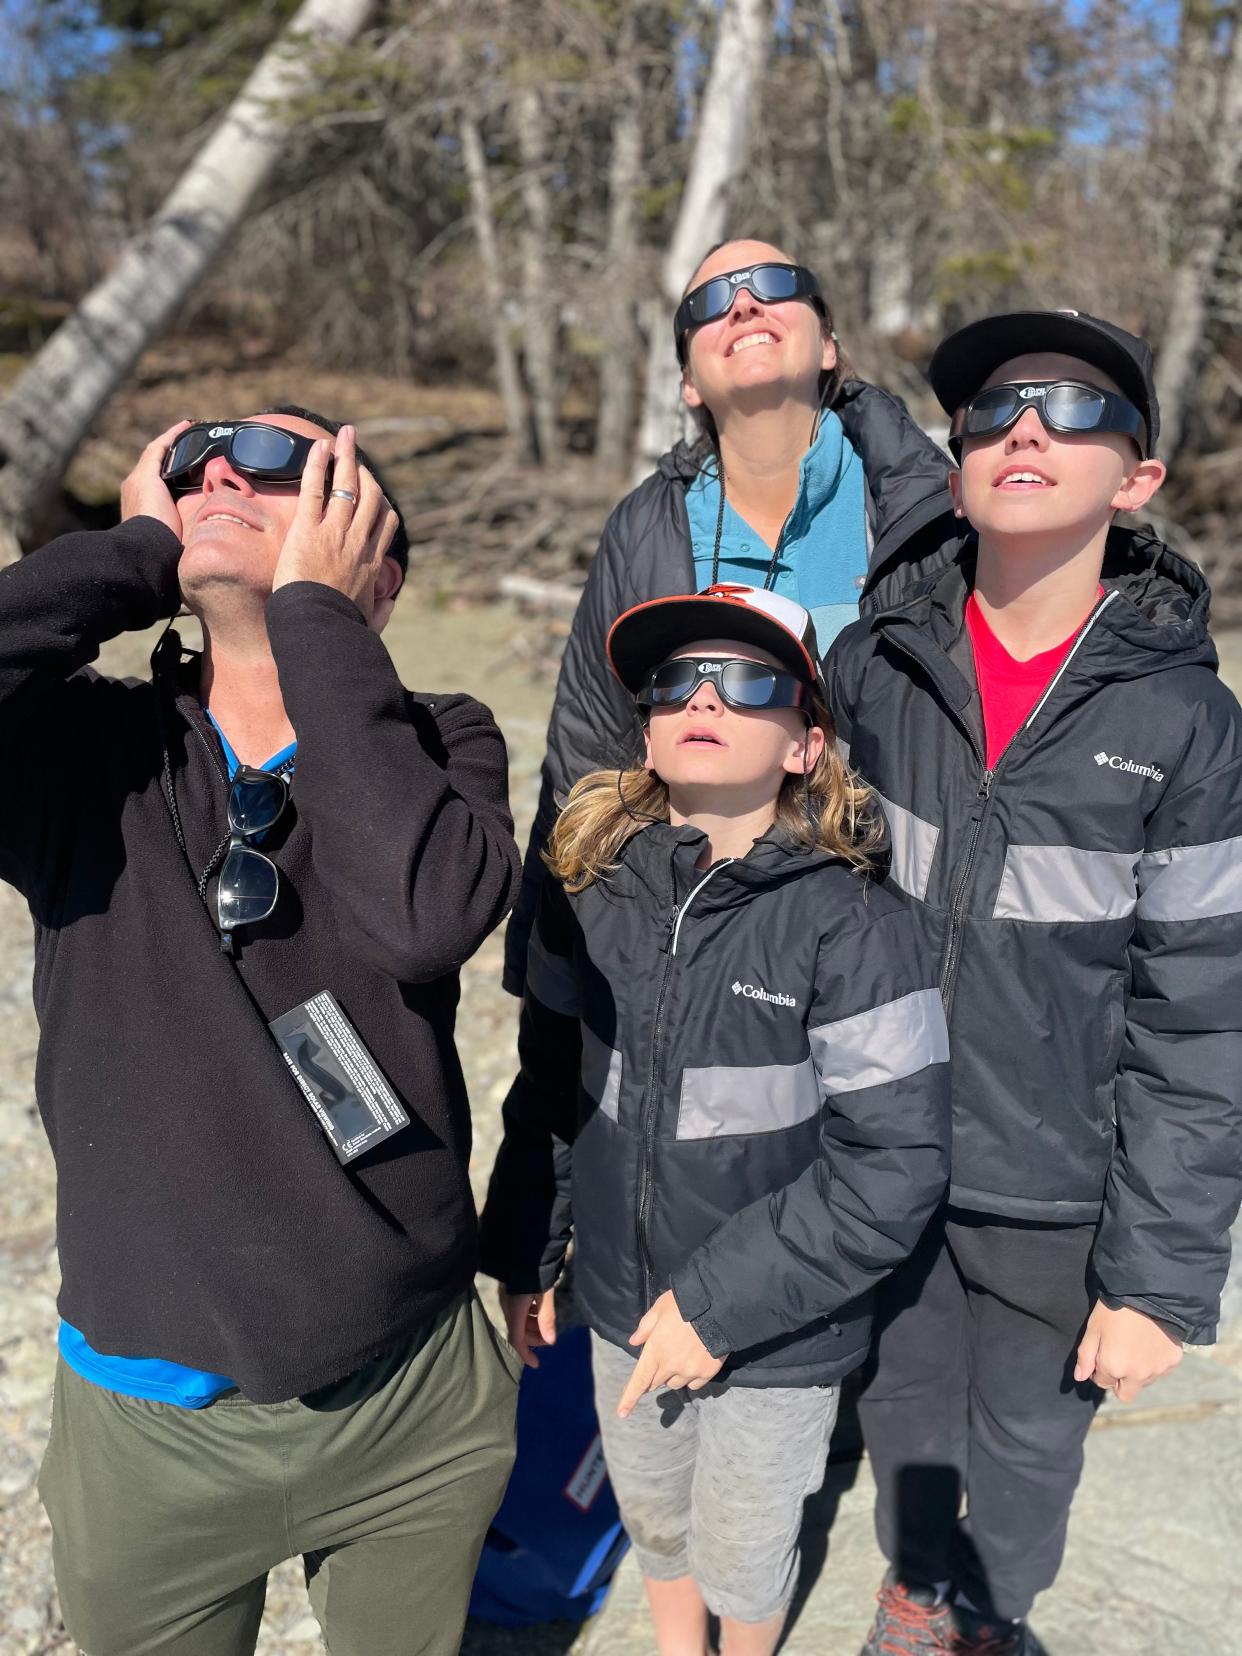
(989, 1641)
(903, 1617)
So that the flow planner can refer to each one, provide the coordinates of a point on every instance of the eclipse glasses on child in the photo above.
(769, 283)
(747, 685)
(1068, 407)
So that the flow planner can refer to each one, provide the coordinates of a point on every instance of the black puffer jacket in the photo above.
(646, 552)
(1085, 900)
(750, 1066)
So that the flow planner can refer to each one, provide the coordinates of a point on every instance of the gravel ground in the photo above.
(482, 650)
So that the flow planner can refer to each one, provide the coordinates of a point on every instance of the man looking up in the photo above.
(1062, 777)
(270, 1343)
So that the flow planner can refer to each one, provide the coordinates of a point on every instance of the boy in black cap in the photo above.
(1062, 776)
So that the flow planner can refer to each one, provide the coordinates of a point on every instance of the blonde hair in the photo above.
(829, 810)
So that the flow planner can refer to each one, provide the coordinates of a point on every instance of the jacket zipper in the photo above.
(983, 800)
(673, 931)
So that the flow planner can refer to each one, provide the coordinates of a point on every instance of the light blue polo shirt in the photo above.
(823, 548)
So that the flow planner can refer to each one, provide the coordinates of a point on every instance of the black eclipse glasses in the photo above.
(746, 685)
(1068, 407)
(269, 453)
(770, 283)
(249, 882)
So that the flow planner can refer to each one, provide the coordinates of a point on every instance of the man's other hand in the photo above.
(1124, 1350)
(530, 1322)
(341, 542)
(144, 492)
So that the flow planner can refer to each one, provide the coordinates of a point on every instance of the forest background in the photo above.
(475, 215)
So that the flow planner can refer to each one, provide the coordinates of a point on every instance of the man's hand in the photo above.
(530, 1321)
(672, 1354)
(144, 492)
(1124, 1350)
(340, 543)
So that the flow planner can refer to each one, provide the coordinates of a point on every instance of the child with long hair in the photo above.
(732, 1094)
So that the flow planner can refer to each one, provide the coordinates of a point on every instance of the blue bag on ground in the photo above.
(553, 1546)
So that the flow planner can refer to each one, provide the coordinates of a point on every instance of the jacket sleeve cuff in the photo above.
(1191, 1333)
(695, 1306)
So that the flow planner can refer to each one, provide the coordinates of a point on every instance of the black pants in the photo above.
(972, 1391)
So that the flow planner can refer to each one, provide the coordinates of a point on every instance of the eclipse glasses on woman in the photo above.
(772, 284)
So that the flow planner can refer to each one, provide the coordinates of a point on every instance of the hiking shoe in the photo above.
(908, 1622)
(976, 1635)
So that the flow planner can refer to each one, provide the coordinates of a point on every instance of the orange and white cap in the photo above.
(649, 633)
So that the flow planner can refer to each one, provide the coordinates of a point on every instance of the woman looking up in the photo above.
(800, 479)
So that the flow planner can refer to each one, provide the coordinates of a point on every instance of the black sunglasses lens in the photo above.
(749, 684)
(712, 299)
(991, 410)
(775, 282)
(1075, 407)
(256, 800)
(187, 451)
(264, 449)
(248, 888)
(671, 683)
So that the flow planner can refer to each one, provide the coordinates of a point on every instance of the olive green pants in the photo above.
(165, 1521)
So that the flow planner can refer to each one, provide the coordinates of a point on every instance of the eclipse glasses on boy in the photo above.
(772, 284)
(1067, 407)
(266, 453)
(746, 685)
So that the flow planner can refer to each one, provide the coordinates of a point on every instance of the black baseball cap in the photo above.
(966, 359)
(649, 633)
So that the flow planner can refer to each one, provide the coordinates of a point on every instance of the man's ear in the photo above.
(388, 583)
(1138, 488)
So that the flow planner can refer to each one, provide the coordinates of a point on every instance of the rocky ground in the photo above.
(1152, 1560)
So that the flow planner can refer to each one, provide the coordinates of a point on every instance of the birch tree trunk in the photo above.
(50, 408)
(484, 220)
(540, 323)
(1182, 346)
(720, 148)
(619, 360)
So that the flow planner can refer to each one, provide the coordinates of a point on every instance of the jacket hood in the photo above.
(1154, 616)
(656, 851)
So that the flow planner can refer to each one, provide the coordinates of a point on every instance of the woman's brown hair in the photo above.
(829, 810)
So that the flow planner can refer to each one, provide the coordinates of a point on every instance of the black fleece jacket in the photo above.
(202, 1216)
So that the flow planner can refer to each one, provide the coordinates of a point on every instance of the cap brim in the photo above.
(649, 633)
(966, 359)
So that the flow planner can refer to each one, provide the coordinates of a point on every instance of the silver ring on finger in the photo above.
(344, 494)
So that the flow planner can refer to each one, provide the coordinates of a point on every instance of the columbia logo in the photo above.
(753, 992)
(1114, 761)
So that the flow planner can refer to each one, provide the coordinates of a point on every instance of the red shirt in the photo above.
(1008, 688)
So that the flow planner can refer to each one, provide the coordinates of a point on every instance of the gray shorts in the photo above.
(711, 1483)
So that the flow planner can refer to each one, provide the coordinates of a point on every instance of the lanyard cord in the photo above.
(769, 580)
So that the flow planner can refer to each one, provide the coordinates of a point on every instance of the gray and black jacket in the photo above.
(646, 552)
(1084, 898)
(747, 1069)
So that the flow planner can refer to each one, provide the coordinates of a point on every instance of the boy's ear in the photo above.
(955, 490)
(1138, 488)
